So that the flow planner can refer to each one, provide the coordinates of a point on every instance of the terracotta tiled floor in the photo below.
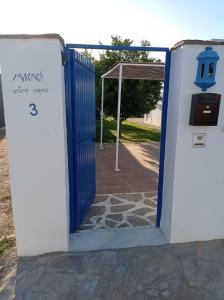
(138, 165)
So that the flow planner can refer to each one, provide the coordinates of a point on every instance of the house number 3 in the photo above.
(34, 110)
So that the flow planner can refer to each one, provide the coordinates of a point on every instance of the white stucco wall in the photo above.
(154, 117)
(37, 144)
(193, 206)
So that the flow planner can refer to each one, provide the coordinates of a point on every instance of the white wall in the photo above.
(37, 144)
(171, 134)
(154, 117)
(193, 206)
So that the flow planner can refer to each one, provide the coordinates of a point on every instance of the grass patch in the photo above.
(5, 244)
(130, 132)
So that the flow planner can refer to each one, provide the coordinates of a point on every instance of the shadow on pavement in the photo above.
(138, 165)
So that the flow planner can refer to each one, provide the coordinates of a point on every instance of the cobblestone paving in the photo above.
(121, 210)
(191, 271)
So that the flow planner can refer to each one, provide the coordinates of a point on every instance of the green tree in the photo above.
(138, 96)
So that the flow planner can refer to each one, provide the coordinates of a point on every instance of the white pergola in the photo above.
(127, 70)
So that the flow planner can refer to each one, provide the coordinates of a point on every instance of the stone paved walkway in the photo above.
(121, 210)
(193, 271)
(126, 198)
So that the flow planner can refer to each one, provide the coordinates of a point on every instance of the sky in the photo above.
(162, 22)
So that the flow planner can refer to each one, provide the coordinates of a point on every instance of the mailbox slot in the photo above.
(204, 109)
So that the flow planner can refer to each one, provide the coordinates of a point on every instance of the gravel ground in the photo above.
(7, 235)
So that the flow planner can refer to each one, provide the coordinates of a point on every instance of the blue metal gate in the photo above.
(164, 107)
(81, 126)
(80, 85)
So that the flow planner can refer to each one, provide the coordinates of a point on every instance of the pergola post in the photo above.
(118, 117)
(101, 115)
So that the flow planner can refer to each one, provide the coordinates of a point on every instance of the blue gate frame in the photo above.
(164, 110)
(81, 126)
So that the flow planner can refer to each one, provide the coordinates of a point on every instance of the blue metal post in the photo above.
(163, 137)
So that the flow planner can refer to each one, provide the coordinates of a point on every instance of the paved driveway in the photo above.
(138, 165)
(192, 271)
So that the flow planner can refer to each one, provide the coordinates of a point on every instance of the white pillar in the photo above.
(34, 103)
(118, 118)
(101, 115)
(193, 191)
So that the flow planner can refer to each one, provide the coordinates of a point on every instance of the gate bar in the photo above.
(116, 47)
